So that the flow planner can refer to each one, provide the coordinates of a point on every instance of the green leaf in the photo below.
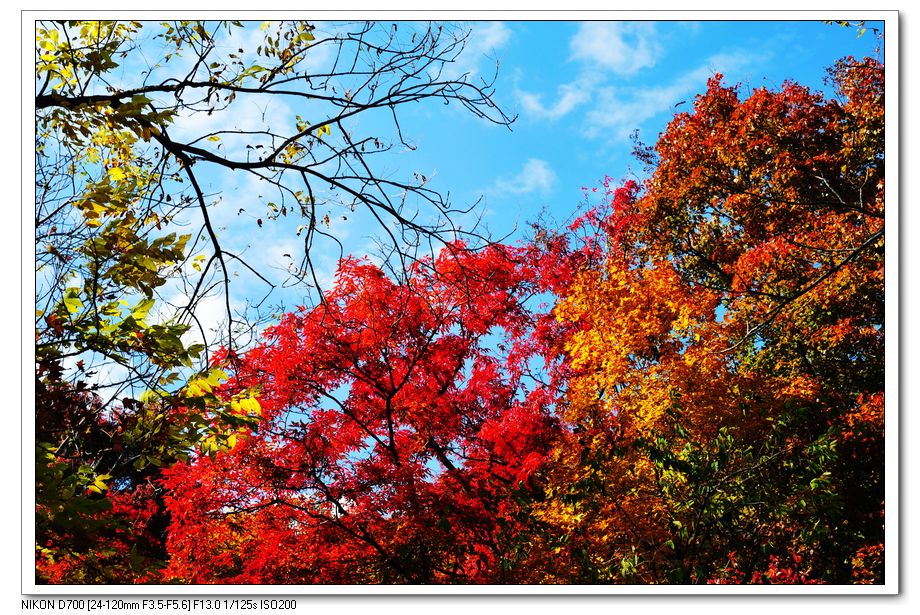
(140, 311)
(215, 377)
(72, 300)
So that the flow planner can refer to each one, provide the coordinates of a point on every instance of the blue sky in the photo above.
(581, 89)
(578, 90)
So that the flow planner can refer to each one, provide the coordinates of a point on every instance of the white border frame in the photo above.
(893, 503)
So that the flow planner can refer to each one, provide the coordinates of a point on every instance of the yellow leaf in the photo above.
(251, 405)
(209, 444)
(197, 388)
(116, 174)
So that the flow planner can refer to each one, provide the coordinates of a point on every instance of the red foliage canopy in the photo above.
(401, 434)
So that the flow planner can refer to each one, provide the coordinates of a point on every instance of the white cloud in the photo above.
(491, 36)
(536, 176)
(484, 39)
(619, 111)
(211, 313)
(249, 113)
(620, 47)
(571, 95)
(602, 48)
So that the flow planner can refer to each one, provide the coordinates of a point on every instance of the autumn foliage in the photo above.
(686, 385)
(727, 400)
